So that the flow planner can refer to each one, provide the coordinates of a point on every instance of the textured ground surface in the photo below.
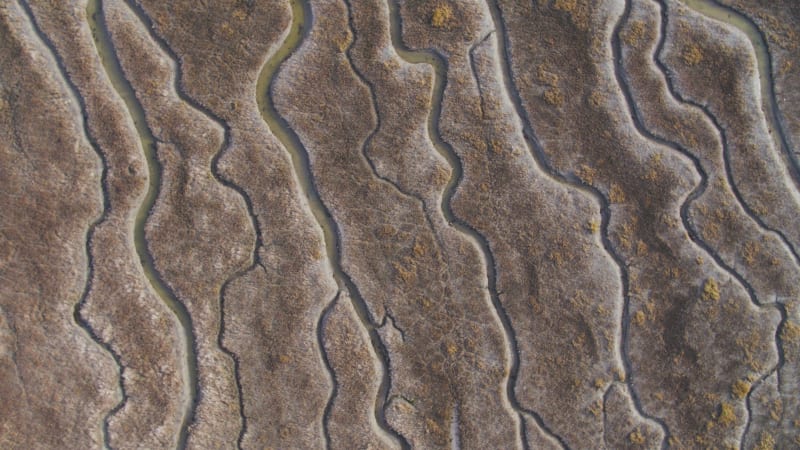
(353, 224)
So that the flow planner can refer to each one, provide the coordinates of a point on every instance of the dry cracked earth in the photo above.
(369, 224)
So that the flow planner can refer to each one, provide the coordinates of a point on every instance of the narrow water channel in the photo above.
(439, 64)
(724, 14)
(105, 49)
(300, 28)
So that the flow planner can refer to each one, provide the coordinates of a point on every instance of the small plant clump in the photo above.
(790, 332)
(740, 389)
(442, 16)
(767, 442)
(637, 437)
(692, 55)
(635, 33)
(727, 416)
(711, 290)
(553, 96)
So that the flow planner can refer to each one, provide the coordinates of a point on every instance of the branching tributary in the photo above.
(724, 14)
(298, 31)
(440, 67)
(772, 114)
(105, 49)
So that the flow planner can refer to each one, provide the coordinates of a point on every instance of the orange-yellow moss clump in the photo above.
(790, 332)
(639, 318)
(711, 290)
(727, 416)
(767, 442)
(740, 389)
(442, 16)
(692, 55)
(636, 437)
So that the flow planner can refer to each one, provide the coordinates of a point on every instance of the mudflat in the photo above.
(368, 224)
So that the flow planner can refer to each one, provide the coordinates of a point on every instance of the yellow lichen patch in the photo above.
(785, 67)
(546, 77)
(619, 374)
(727, 416)
(407, 272)
(750, 252)
(634, 33)
(342, 41)
(776, 410)
(226, 29)
(616, 194)
(553, 96)
(637, 438)
(767, 442)
(433, 427)
(578, 13)
(596, 408)
(441, 175)
(692, 55)
(593, 226)
(597, 99)
(420, 249)
(497, 147)
(587, 174)
(240, 14)
(452, 349)
(790, 332)
(442, 16)
(710, 290)
(556, 257)
(600, 383)
(641, 248)
(565, 5)
(740, 389)
(639, 318)
(650, 307)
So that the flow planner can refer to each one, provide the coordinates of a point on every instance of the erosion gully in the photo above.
(105, 49)
(302, 21)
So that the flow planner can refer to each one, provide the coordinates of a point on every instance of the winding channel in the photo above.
(440, 66)
(699, 190)
(726, 14)
(105, 49)
(302, 22)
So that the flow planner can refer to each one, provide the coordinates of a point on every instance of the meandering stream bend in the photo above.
(772, 114)
(105, 49)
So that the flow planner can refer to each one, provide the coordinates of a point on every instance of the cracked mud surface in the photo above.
(355, 224)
